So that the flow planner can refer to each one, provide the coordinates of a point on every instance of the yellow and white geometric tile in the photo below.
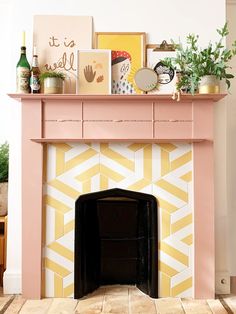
(164, 170)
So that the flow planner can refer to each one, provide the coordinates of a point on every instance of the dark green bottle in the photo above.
(23, 73)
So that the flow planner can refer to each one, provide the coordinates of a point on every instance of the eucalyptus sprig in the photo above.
(195, 62)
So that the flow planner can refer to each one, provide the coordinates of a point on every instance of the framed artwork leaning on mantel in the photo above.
(94, 72)
(128, 56)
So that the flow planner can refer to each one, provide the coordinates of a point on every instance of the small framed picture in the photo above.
(128, 56)
(166, 76)
(94, 72)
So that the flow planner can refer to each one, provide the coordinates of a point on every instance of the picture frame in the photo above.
(128, 56)
(94, 72)
(166, 76)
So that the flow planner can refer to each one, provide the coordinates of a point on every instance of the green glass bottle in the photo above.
(23, 71)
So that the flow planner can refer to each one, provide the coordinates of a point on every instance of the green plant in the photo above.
(194, 62)
(45, 75)
(4, 160)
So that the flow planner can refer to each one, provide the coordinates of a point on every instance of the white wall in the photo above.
(160, 19)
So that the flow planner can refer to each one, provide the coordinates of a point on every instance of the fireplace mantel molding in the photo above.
(136, 118)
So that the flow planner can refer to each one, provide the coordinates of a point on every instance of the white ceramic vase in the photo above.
(209, 84)
(53, 85)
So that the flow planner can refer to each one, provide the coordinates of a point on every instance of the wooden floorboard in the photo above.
(117, 299)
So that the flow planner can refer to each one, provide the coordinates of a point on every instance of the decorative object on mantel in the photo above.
(197, 65)
(128, 56)
(146, 79)
(166, 75)
(94, 72)
(4, 157)
(58, 38)
(53, 82)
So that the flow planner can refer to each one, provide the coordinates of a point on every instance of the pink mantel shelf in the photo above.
(142, 118)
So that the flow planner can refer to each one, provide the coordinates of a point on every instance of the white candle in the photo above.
(23, 38)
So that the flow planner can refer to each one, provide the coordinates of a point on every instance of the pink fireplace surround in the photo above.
(136, 118)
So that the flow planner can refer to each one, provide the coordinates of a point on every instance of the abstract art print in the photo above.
(128, 56)
(166, 76)
(94, 72)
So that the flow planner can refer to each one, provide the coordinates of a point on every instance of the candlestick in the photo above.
(23, 38)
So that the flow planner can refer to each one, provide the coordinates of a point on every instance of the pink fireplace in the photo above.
(150, 119)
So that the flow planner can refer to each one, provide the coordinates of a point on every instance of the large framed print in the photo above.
(128, 56)
(94, 72)
(58, 38)
(166, 76)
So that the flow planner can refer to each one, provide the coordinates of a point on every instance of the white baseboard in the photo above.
(12, 283)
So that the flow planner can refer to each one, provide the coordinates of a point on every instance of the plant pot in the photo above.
(3, 198)
(53, 85)
(209, 84)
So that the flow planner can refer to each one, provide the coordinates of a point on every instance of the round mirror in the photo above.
(146, 79)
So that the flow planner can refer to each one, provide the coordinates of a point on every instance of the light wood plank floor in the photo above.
(116, 299)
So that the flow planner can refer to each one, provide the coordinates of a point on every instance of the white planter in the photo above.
(53, 85)
(209, 84)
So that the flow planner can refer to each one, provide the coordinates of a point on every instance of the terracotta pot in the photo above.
(53, 85)
(3, 198)
(209, 84)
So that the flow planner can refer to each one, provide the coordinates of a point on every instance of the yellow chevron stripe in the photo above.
(79, 159)
(180, 257)
(56, 268)
(123, 161)
(69, 290)
(91, 172)
(103, 183)
(111, 174)
(58, 286)
(62, 250)
(147, 162)
(173, 189)
(181, 287)
(187, 177)
(69, 226)
(62, 146)
(59, 224)
(86, 187)
(139, 185)
(165, 224)
(165, 163)
(167, 270)
(165, 286)
(181, 223)
(136, 146)
(188, 240)
(51, 201)
(168, 147)
(167, 206)
(182, 160)
(64, 188)
(60, 162)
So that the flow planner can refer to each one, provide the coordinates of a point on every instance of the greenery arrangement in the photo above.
(4, 161)
(45, 75)
(194, 62)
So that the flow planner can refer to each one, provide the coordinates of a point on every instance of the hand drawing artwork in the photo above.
(94, 71)
(121, 67)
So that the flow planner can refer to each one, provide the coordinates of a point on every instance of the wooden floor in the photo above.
(116, 299)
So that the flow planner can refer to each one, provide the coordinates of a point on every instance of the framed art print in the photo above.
(94, 72)
(128, 56)
(166, 76)
(57, 38)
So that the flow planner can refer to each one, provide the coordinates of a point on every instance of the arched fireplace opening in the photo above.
(116, 241)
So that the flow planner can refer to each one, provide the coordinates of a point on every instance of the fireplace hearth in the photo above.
(116, 241)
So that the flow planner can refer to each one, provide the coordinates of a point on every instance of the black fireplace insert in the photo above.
(116, 241)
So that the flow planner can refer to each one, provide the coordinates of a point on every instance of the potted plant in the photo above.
(4, 157)
(52, 82)
(201, 69)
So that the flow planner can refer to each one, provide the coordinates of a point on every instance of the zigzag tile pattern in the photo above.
(164, 170)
